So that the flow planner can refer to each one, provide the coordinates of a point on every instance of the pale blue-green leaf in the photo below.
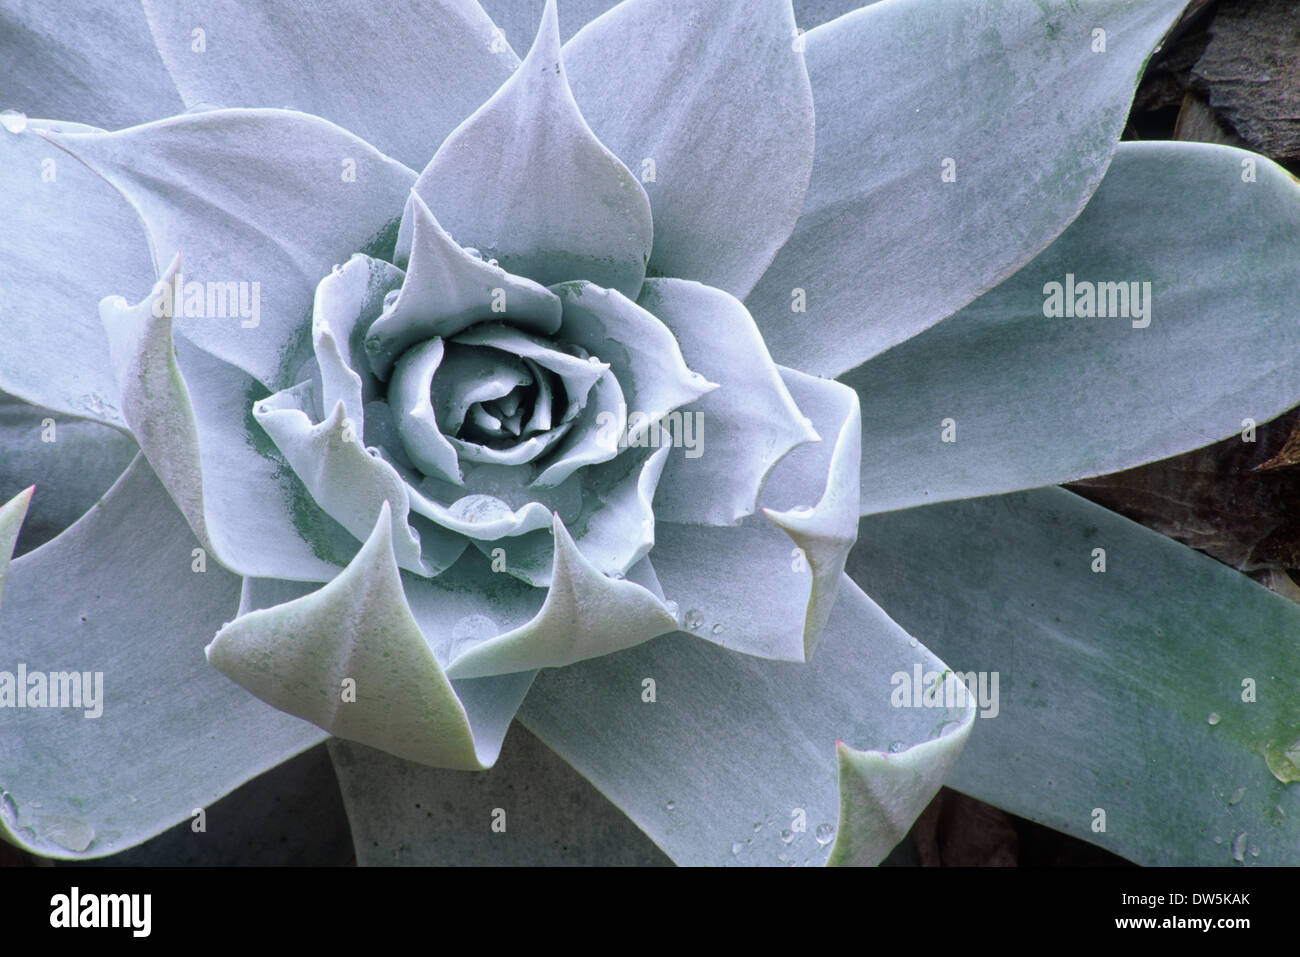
(1157, 691)
(608, 507)
(525, 181)
(401, 77)
(94, 62)
(708, 102)
(72, 462)
(520, 19)
(448, 289)
(173, 734)
(585, 615)
(698, 744)
(348, 301)
(262, 202)
(641, 352)
(594, 436)
(714, 114)
(767, 587)
(813, 13)
(348, 480)
(403, 813)
(192, 415)
(352, 659)
(69, 240)
(729, 440)
(12, 514)
(1035, 400)
(410, 401)
(929, 185)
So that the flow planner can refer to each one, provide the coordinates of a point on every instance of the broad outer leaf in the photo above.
(526, 182)
(193, 417)
(261, 201)
(71, 461)
(173, 735)
(85, 60)
(402, 813)
(69, 240)
(401, 76)
(708, 101)
(352, 659)
(1162, 691)
(1035, 400)
(955, 140)
(714, 754)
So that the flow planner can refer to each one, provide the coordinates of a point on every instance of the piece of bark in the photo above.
(1250, 72)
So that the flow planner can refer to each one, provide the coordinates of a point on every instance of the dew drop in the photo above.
(736, 848)
(693, 620)
(1283, 760)
(670, 806)
(13, 120)
(493, 262)
(716, 629)
(1254, 851)
(479, 508)
(824, 833)
(787, 836)
(1237, 795)
(67, 832)
(897, 746)
(1239, 847)
(1218, 839)
(911, 642)
(337, 269)
(1212, 718)
(471, 251)
(758, 826)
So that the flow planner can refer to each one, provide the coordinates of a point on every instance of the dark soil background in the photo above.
(1228, 73)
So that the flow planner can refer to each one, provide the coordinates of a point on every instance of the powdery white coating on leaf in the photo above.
(300, 656)
(775, 603)
(1038, 399)
(585, 614)
(401, 76)
(713, 111)
(251, 196)
(205, 452)
(885, 247)
(732, 739)
(744, 427)
(12, 514)
(525, 181)
(174, 734)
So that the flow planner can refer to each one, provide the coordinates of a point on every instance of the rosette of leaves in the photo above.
(431, 473)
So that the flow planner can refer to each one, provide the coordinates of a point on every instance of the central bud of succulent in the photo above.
(492, 395)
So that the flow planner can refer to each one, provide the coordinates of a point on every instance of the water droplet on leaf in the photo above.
(13, 120)
(694, 620)
(1239, 847)
(824, 833)
(1213, 718)
(67, 832)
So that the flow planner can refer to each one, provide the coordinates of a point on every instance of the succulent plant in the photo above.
(582, 425)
